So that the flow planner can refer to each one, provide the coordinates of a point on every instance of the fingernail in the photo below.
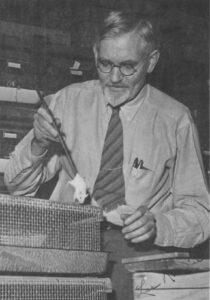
(124, 217)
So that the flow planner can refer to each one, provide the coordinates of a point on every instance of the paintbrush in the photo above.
(77, 181)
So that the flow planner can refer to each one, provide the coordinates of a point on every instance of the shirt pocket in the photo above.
(141, 168)
(139, 175)
(140, 180)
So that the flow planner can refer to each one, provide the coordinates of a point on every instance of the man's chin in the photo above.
(116, 98)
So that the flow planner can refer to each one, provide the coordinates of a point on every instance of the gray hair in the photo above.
(118, 23)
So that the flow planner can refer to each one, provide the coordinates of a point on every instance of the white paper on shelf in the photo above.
(18, 95)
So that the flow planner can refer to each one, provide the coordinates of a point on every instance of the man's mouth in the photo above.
(116, 87)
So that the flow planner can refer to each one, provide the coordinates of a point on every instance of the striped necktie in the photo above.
(109, 188)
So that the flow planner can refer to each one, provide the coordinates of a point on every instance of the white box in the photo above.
(18, 95)
(157, 286)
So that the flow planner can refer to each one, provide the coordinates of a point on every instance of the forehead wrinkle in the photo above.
(122, 48)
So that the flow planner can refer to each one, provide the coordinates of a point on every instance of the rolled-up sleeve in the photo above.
(25, 172)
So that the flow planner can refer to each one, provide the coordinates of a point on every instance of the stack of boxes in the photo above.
(50, 251)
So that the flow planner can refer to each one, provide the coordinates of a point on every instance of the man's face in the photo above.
(127, 49)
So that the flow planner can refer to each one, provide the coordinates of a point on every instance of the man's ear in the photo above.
(95, 52)
(153, 59)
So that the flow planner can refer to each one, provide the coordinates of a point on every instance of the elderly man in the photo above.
(136, 148)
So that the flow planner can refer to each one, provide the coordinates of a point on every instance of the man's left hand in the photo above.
(140, 226)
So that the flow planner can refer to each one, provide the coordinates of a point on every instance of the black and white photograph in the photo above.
(104, 150)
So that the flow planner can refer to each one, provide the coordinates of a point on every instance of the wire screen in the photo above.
(40, 223)
(14, 288)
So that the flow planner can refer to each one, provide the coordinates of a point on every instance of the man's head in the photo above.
(125, 51)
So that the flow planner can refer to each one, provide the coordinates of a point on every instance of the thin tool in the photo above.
(77, 181)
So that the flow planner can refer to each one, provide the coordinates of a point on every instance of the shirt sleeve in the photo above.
(187, 224)
(25, 172)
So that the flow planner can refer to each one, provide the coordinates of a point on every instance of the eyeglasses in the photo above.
(126, 69)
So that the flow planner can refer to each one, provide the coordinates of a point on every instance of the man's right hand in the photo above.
(44, 132)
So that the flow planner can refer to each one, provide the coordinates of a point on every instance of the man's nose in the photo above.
(116, 75)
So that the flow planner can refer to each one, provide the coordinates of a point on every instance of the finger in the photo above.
(40, 132)
(144, 237)
(44, 126)
(124, 216)
(45, 115)
(58, 122)
(138, 231)
(136, 215)
(43, 112)
(138, 223)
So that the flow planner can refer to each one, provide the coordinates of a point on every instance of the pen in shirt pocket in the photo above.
(139, 164)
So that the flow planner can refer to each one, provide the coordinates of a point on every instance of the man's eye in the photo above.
(105, 63)
(127, 67)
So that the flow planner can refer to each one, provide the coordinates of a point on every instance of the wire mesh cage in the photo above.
(26, 260)
(53, 288)
(30, 222)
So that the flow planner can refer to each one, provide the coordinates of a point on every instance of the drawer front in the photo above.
(8, 140)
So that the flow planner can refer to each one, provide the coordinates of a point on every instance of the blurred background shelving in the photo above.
(50, 42)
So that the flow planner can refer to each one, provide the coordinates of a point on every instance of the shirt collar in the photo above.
(130, 109)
